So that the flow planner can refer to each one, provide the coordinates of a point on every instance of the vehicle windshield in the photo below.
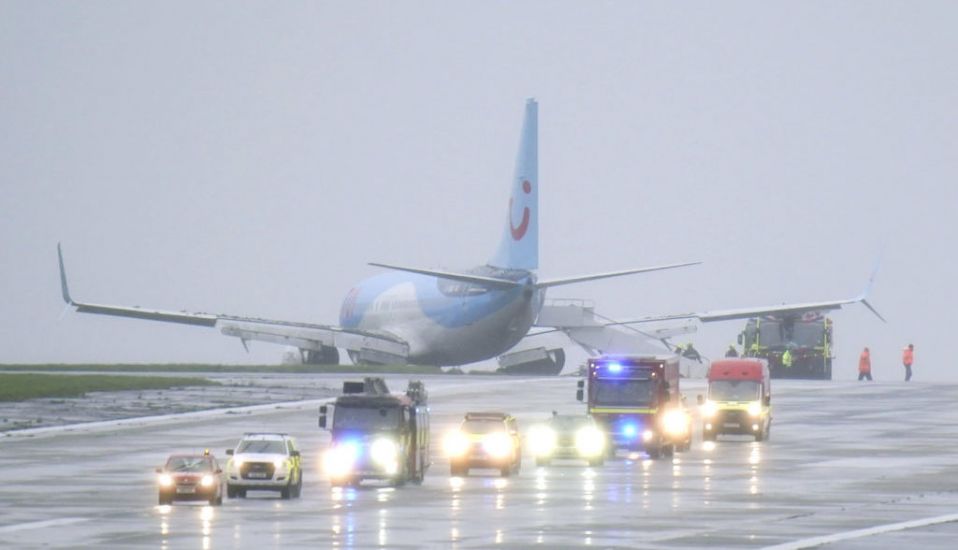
(631, 393)
(483, 426)
(773, 334)
(569, 423)
(266, 446)
(807, 335)
(188, 464)
(366, 419)
(734, 390)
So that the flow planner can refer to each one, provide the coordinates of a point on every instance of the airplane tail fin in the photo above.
(519, 247)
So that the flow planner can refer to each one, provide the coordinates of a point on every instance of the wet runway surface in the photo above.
(842, 457)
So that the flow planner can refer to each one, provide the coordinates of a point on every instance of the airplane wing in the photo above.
(369, 345)
(744, 313)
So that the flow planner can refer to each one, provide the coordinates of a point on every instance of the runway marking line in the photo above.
(861, 533)
(41, 524)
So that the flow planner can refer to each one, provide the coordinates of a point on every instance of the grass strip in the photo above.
(190, 367)
(23, 386)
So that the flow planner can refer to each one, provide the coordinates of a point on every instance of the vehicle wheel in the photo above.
(760, 436)
(420, 474)
(285, 492)
(163, 501)
(768, 431)
(653, 453)
(708, 437)
(458, 470)
(241, 493)
(505, 472)
(668, 451)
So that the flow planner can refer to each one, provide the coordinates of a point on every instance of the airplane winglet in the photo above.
(63, 279)
(863, 297)
(873, 310)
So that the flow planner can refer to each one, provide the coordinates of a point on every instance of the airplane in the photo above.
(426, 316)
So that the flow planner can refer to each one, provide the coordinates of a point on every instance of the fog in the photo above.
(250, 158)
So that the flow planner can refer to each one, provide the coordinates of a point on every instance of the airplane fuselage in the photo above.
(446, 322)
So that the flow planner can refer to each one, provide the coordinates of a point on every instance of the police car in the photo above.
(264, 462)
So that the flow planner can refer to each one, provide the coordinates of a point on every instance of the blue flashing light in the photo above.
(614, 367)
(629, 430)
(352, 447)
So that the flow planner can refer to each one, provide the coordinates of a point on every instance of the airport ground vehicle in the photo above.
(575, 437)
(807, 337)
(264, 462)
(377, 435)
(738, 400)
(191, 477)
(636, 401)
(485, 440)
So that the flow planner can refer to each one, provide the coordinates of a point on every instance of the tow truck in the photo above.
(377, 435)
(637, 403)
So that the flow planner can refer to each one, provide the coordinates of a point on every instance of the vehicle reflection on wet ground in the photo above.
(840, 459)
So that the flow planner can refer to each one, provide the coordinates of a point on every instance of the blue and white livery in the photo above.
(416, 315)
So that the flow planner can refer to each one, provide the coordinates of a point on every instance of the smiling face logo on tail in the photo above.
(519, 232)
(519, 246)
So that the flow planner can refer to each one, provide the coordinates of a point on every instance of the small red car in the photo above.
(191, 477)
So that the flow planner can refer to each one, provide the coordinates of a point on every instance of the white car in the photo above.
(264, 462)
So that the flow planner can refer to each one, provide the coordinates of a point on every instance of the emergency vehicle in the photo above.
(738, 400)
(377, 435)
(637, 403)
(808, 338)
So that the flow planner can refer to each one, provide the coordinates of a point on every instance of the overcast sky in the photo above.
(250, 158)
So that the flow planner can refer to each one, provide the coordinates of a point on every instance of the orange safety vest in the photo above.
(908, 357)
(865, 363)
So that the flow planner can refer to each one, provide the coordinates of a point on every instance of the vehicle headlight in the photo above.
(755, 408)
(206, 481)
(456, 444)
(339, 460)
(237, 461)
(279, 463)
(542, 440)
(165, 480)
(709, 408)
(647, 435)
(675, 423)
(384, 451)
(589, 442)
(498, 445)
